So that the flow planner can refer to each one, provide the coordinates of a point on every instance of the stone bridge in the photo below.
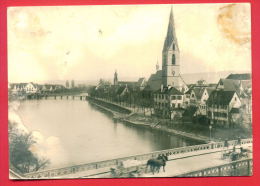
(103, 168)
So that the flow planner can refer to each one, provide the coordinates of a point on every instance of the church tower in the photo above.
(115, 78)
(171, 58)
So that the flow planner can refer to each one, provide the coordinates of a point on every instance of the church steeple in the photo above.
(171, 38)
(170, 57)
(115, 78)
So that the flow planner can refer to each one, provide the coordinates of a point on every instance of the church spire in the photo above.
(171, 36)
(115, 78)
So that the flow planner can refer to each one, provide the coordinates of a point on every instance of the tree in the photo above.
(20, 156)
(72, 84)
(67, 84)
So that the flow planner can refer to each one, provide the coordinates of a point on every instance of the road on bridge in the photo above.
(177, 164)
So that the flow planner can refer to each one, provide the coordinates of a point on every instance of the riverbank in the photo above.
(190, 130)
(125, 115)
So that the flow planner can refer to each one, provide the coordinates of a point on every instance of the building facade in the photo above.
(223, 107)
(167, 102)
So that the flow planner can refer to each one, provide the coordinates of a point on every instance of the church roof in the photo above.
(155, 80)
(171, 36)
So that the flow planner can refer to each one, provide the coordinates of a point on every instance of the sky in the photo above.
(87, 43)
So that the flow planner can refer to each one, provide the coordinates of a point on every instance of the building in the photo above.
(140, 84)
(170, 73)
(242, 85)
(199, 97)
(223, 108)
(167, 102)
(23, 88)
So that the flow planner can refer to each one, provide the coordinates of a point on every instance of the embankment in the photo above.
(124, 115)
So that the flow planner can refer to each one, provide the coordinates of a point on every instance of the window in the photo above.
(173, 47)
(179, 97)
(179, 105)
(173, 59)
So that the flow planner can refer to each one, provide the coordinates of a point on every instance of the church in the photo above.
(170, 75)
(167, 84)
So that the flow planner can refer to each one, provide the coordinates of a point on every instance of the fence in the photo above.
(114, 162)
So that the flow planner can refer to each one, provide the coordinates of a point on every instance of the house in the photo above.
(167, 102)
(199, 97)
(17, 88)
(123, 90)
(31, 88)
(223, 107)
(242, 84)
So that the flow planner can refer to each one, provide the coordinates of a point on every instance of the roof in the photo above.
(210, 90)
(234, 85)
(140, 81)
(198, 92)
(155, 80)
(169, 91)
(220, 97)
(171, 36)
(245, 76)
(128, 83)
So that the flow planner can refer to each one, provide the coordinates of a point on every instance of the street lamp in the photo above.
(210, 127)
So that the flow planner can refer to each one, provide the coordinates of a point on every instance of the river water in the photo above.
(73, 132)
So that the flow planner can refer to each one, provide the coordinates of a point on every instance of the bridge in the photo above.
(82, 96)
(197, 160)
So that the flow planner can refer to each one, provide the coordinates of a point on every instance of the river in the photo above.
(73, 132)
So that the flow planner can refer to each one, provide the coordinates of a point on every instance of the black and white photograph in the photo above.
(128, 91)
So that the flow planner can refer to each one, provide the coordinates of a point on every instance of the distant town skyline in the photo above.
(91, 42)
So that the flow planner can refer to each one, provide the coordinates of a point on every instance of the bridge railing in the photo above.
(235, 168)
(114, 162)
